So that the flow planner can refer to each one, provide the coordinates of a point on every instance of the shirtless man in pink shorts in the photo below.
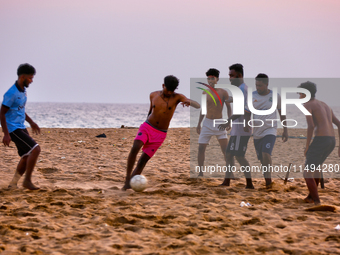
(152, 132)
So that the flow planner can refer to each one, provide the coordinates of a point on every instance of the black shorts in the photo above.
(319, 150)
(25, 144)
(237, 145)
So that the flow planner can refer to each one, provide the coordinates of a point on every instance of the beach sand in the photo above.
(80, 208)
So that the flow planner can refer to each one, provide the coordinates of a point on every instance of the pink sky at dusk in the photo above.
(119, 51)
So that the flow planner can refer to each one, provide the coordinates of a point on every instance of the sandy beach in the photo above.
(80, 208)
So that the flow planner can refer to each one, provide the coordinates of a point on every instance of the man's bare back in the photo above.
(321, 124)
(321, 118)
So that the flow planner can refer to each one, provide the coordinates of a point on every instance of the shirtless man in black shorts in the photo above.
(321, 123)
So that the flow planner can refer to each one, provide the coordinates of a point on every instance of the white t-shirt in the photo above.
(269, 126)
(237, 125)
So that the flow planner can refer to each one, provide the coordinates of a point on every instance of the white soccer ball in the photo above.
(138, 183)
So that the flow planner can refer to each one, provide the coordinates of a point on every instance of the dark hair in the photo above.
(25, 69)
(213, 72)
(310, 86)
(262, 77)
(171, 82)
(237, 67)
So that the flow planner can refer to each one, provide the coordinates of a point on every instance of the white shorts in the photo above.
(208, 130)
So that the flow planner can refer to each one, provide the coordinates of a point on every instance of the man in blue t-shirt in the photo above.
(12, 117)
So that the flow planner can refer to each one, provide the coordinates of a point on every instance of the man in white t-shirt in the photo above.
(265, 126)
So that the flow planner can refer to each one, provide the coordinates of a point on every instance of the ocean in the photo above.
(95, 115)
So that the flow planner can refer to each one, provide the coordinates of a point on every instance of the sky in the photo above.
(110, 51)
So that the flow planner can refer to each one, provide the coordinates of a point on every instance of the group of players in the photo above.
(264, 135)
(320, 122)
(163, 103)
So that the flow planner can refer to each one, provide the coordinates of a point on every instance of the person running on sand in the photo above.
(321, 122)
(13, 116)
(239, 135)
(152, 132)
(214, 111)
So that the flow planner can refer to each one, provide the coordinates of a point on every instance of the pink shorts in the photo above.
(151, 137)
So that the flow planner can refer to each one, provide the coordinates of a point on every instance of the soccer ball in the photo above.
(138, 183)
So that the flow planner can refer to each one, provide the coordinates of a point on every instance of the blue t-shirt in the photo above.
(15, 99)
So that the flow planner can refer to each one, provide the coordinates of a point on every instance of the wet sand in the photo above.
(80, 208)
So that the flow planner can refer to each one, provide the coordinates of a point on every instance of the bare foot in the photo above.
(250, 187)
(29, 185)
(269, 185)
(226, 182)
(12, 186)
(126, 186)
(308, 199)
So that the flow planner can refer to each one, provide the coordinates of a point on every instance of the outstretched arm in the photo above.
(188, 102)
(195, 104)
(336, 121)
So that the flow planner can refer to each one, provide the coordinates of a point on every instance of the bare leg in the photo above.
(229, 174)
(144, 158)
(21, 168)
(224, 144)
(201, 157)
(244, 162)
(137, 145)
(317, 177)
(308, 199)
(30, 164)
(312, 187)
(267, 161)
